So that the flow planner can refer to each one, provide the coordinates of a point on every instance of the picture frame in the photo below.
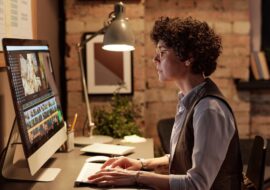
(106, 71)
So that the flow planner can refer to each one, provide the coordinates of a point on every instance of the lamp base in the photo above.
(92, 139)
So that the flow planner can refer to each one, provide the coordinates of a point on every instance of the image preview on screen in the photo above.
(36, 100)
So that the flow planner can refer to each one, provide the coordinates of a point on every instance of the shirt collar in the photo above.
(189, 97)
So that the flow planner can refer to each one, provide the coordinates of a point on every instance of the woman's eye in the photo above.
(162, 52)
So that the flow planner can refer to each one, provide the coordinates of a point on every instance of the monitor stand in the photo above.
(20, 170)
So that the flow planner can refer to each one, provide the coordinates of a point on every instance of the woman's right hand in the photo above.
(123, 162)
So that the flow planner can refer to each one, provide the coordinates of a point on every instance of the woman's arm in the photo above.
(134, 164)
(154, 163)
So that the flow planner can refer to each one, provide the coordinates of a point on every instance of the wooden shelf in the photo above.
(253, 85)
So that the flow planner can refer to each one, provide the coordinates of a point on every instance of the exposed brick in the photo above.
(93, 24)
(75, 99)
(242, 117)
(240, 72)
(151, 71)
(237, 51)
(72, 52)
(154, 83)
(74, 85)
(74, 26)
(262, 130)
(241, 107)
(222, 82)
(243, 130)
(222, 72)
(205, 5)
(152, 95)
(139, 85)
(235, 40)
(73, 74)
(161, 110)
(135, 11)
(137, 25)
(71, 63)
(139, 97)
(101, 10)
(171, 85)
(239, 15)
(168, 95)
(240, 61)
(222, 27)
(241, 27)
(240, 5)
(260, 119)
(73, 39)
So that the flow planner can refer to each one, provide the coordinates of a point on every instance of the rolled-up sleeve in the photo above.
(214, 127)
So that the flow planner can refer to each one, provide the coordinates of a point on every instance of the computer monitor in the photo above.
(39, 117)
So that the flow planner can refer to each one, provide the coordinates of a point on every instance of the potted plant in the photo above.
(119, 119)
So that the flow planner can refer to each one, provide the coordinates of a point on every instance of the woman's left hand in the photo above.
(113, 177)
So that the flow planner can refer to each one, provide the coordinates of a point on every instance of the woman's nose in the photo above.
(156, 58)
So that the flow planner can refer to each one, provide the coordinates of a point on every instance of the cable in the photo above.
(3, 153)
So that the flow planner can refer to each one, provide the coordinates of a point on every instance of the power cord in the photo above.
(2, 153)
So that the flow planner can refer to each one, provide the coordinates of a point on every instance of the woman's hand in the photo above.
(113, 177)
(123, 162)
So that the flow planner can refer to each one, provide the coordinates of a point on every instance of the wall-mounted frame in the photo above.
(107, 70)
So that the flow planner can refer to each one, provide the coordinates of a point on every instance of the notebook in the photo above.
(109, 149)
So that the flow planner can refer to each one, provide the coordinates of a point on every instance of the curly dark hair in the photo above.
(190, 38)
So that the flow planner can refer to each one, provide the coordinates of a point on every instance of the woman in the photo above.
(204, 146)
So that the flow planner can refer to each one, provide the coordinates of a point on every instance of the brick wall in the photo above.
(89, 16)
(229, 18)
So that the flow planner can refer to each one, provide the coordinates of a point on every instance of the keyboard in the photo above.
(90, 169)
(87, 170)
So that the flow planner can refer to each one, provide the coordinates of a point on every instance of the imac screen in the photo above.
(35, 96)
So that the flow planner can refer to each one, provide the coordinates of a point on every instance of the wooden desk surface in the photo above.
(71, 164)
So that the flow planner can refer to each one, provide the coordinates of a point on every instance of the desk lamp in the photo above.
(117, 37)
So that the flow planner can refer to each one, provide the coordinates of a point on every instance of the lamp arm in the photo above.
(80, 47)
(83, 42)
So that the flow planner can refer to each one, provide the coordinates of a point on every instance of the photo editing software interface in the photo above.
(35, 96)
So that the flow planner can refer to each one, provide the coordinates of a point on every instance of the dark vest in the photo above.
(230, 174)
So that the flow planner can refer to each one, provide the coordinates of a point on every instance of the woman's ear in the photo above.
(187, 62)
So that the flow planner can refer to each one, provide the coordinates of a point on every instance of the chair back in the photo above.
(256, 163)
(164, 128)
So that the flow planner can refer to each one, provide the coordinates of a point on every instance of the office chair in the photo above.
(164, 128)
(254, 176)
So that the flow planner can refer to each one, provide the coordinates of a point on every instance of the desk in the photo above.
(71, 164)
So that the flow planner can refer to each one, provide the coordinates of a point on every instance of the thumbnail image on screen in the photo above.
(33, 75)
(42, 119)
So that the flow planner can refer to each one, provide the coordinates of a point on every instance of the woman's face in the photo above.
(168, 64)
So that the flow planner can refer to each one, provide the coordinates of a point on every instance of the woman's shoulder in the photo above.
(211, 103)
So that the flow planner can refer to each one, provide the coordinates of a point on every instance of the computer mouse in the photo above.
(97, 159)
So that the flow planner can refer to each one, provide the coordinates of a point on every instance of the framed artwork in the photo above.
(106, 71)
